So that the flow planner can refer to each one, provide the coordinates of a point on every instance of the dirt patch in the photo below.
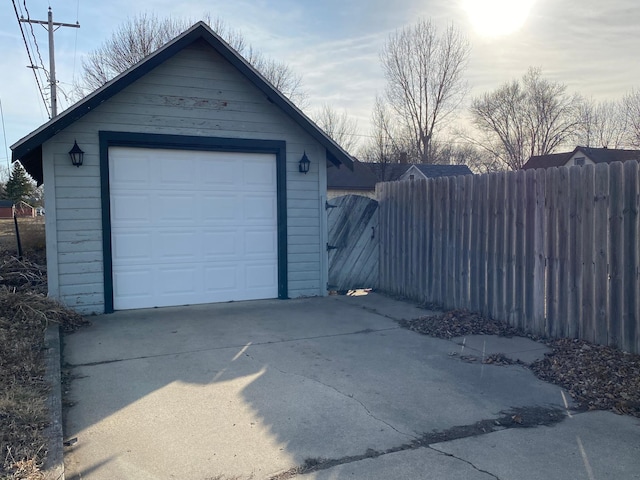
(597, 377)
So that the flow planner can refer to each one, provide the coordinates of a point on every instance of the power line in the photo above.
(50, 24)
(24, 39)
(4, 134)
(33, 47)
(75, 45)
(35, 42)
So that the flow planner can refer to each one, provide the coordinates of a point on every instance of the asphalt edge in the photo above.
(53, 468)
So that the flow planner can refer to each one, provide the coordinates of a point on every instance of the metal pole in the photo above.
(52, 67)
(49, 25)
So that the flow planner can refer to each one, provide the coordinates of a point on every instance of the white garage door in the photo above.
(192, 227)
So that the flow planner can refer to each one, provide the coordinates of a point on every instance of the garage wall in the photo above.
(196, 92)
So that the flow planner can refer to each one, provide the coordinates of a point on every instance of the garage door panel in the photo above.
(259, 207)
(179, 280)
(261, 276)
(131, 208)
(258, 175)
(133, 284)
(177, 209)
(220, 174)
(221, 244)
(207, 234)
(130, 247)
(135, 173)
(175, 174)
(175, 246)
(221, 278)
(218, 207)
(259, 243)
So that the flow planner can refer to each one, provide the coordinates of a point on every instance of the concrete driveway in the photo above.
(265, 389)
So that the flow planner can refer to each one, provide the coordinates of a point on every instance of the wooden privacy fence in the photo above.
(555, 252)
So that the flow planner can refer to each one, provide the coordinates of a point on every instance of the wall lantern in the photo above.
(304, 163)
(76, 154)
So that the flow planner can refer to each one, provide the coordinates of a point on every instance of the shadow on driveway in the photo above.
(254, 389)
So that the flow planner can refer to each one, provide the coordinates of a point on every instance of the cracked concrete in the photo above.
(255, 389)
(467, 462)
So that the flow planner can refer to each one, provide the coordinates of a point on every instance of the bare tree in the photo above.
(145, 33)
(603, 124)
(338, 125)
(387, 145)
(533, 116)
(454, 152)
(631, 109)
(424, 72)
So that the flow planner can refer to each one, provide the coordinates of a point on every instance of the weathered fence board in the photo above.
(630, 243)
(555, 252)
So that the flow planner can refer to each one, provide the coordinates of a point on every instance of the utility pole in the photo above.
(49, 24)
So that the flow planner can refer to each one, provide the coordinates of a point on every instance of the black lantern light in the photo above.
(304, 163)
(77, 155)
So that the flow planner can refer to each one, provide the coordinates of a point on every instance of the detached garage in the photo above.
(190, 189)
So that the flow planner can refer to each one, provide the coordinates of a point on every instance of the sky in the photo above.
(592, 46)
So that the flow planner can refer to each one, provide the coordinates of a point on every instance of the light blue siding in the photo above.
(198, 93)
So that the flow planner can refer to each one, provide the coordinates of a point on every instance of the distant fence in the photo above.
(555, 252)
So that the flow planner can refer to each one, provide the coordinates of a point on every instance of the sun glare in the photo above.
(496, 18)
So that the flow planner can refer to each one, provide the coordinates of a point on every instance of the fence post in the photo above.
(540, 260)
(601, 243)
(616, 253)
(576, 200)
(630, 242)
(587, 186)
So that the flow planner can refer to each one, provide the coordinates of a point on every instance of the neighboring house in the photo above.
(389, 172)
(423, 171)
(581, 156)
(21, 209)
(362, 180)
(343, 181)
(190, 190)
(6, 209)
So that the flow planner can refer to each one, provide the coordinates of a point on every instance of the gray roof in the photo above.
(29, 149)
(596, 155)
(434, 171)
(360, 178)
(365, 175)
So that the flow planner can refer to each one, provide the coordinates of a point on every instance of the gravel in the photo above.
(598, 377)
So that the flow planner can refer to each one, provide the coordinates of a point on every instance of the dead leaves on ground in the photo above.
(598, 377)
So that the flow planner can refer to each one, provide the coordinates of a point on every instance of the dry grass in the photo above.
(25, 313)
(32, 237)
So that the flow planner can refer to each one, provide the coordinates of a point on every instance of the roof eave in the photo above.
(334, 153)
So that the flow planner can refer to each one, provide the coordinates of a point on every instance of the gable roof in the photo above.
(546, 161)
(10, 203)
(608, 155)
(388, 172)
(393, 171)
(360, 178)
(434, 171)
(29, 149)
(596, 155)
